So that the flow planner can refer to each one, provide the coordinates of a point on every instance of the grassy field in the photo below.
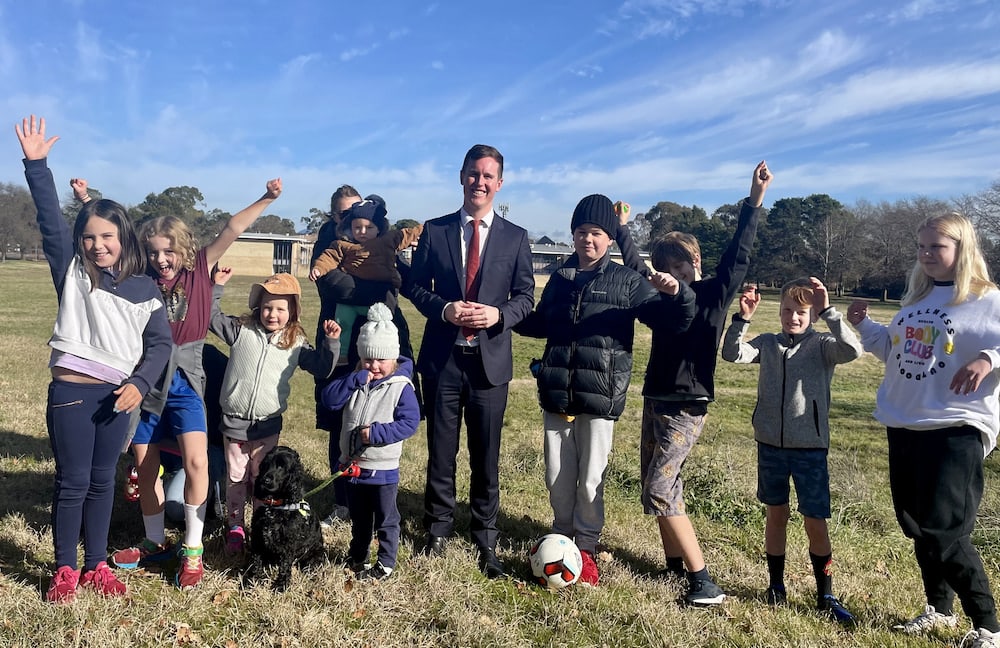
(445, 601)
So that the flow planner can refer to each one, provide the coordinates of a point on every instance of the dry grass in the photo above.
(445, 602)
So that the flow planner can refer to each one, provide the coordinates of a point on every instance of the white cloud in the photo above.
(91, 60)
(355, 52)
(297, 65)
(883, 90)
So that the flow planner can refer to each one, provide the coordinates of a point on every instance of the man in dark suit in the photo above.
(465, 358)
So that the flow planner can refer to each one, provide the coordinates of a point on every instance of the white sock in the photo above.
(194, 521)
(155, 528)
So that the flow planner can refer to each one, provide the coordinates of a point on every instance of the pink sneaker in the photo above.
(104, 581)
(192, 567)
(146, 553)
(62, 589)
(588, 573)
(235, 539)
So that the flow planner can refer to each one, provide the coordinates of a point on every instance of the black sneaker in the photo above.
(704, 592)
(776, 596)
(375, 572)
(836, 610)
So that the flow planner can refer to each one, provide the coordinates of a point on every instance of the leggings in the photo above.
(87, 437)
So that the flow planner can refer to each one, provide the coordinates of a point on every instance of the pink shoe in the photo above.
(104, 581)
(62, 589)
(588, 573)
(192, 567)
(235, 539)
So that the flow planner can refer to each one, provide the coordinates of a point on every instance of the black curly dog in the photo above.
(284, 531)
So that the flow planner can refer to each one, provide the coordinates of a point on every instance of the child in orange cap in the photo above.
(266, 345)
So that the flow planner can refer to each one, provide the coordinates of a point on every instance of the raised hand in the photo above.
(79, 186)
(821, 298)
(273, 189)
(31, 134)
(624, 210)
(749, 301)
(222, 275)
(857, 311)
(762, 177)
(331, 329)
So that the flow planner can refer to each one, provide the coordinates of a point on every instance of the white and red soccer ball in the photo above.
(555, 561)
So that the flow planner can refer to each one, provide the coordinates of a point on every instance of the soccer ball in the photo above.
(555, 561)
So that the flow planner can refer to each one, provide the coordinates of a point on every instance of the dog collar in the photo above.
(302, 507)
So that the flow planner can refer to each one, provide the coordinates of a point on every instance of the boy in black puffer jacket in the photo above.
(587, 314)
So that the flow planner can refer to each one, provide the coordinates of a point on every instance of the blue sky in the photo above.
(642, 100)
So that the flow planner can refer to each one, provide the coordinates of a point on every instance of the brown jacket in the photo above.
(375, 259)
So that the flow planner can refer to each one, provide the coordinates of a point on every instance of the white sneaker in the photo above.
(981, 638)
(930, 620)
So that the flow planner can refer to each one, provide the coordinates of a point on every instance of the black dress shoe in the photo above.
(490, 565)
(435, 545)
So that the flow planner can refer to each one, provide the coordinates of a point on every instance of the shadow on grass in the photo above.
(15, 444)
(23, 489)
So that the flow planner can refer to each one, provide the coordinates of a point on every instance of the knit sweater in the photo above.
(793, 390)
(923, 347)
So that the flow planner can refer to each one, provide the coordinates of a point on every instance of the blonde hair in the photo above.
(972, 277)
(673, 246)
(799, 291)
(181, 238)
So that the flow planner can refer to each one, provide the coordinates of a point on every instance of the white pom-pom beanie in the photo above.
(379, 338)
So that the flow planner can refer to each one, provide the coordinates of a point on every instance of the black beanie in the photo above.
(596, 209)
(372, 209)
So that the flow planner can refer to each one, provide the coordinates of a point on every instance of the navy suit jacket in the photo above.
(506, 278)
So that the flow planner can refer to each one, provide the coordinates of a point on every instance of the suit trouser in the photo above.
(461, 388)
(936, 478)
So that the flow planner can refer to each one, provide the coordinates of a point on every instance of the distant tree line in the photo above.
(866, 249)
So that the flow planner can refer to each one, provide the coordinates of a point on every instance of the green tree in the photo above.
(72, 206)
(669, 216)
(314, 220)
(403, 223)
(271, 224)
(183, 202)
(799, 238)
(18, 230)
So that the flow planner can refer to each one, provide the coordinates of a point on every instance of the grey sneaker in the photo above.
(704, 592)
(981, 638)
(930, 620)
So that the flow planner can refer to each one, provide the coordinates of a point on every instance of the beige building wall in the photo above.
(256, 258)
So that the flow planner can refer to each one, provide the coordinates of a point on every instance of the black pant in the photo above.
(462, 388)
(373, 509)
(936, 477)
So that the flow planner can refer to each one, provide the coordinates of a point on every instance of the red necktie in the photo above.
(471, 269)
